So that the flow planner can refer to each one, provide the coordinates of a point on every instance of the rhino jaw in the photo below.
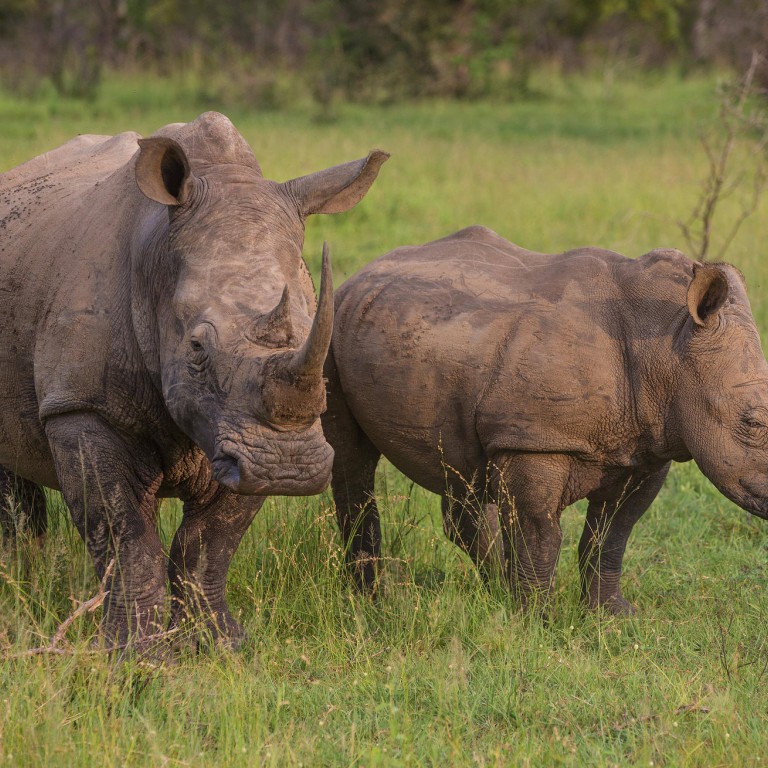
(280, 463)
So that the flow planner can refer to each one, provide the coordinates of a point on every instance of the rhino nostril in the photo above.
(226, 469)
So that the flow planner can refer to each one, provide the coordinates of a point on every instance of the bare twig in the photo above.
(53, 650)
(89, 606)
(54, 647)
(724, 632)
(736, 126)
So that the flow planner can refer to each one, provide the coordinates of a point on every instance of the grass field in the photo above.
(440, 671)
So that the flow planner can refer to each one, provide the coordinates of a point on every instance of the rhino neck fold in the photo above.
(153, 278)
(653, 364)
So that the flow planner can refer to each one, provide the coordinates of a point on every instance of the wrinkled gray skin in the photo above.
(514, 383)
(158, 340)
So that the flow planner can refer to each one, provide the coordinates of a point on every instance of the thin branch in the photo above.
(758, 185)
(737, 125)
(89, 606)
(53, 650)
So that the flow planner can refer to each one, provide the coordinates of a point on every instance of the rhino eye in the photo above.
(199, 342)
(198, 358)
(755, 417)
(754, 427)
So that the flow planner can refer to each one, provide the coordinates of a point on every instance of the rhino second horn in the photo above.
(309, 359)
(280, 316)
(275, 326)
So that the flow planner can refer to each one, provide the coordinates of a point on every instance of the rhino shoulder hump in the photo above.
(475, 232)
(211, 138)
(666, 264)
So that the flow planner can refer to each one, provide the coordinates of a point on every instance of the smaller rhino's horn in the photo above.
(274, 328)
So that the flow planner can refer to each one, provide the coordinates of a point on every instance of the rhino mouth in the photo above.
(754, 500)
(274, 463)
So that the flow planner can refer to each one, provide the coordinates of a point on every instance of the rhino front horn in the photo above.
(309, 359)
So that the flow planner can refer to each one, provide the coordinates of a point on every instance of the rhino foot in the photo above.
(617, 605)
(603, 590)
(226, 631)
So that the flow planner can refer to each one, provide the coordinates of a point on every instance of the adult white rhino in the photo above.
(157, 340)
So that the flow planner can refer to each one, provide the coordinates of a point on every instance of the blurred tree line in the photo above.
(382, 50)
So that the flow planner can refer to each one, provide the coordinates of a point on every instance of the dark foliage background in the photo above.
(388, 50)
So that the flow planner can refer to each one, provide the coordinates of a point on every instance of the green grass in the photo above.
(440, 671)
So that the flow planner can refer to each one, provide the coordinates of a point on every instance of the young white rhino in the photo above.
(514, 383)
(157, 340)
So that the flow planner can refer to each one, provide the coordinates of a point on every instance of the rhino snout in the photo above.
(295, 464)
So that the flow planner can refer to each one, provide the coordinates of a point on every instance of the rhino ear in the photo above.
(336, 189)
(707, 293)
(162, 170)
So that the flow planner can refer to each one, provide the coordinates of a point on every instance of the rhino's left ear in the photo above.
(162, 170)
(707, 293)
(336, 189)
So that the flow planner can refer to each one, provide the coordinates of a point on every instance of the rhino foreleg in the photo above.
(611, 515)
(358, 517)
(22, 507)
(109, 482)
(352, 481)
(529, 492)
(201, 553)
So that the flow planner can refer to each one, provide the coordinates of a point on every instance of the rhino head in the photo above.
(721, 400)
(240, 355)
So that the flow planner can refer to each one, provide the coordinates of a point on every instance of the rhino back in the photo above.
(451, 351)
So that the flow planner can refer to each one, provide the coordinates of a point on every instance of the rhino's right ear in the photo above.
(162, 170)
(707, 292)
(336, 189)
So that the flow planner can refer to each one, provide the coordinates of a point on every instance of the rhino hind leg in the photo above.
(611, 516)
(201, 552)
(474, 526)
(109, 482)
(529, 490)
(22, 508)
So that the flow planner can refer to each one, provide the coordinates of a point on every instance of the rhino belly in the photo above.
(431, 466)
